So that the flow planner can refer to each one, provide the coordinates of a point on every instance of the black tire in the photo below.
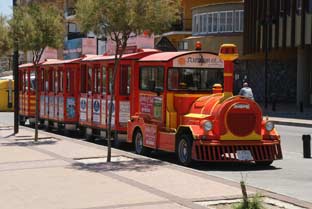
(81, 132)
(139, 148)
(264, 163)
(184, 149)
(22, 121)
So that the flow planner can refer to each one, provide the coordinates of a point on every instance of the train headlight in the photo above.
(269, 126)
(207, 125)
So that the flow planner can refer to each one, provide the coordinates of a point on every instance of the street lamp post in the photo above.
(266, 23)
(15, 73)
(266, 51)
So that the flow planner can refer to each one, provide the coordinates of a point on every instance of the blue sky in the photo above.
(6, 7)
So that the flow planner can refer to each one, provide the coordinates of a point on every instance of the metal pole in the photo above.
(266, 66)
(306, 146)
(15, 73)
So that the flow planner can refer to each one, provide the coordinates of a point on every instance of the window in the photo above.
(61, 81)
(68, 81)
(213, 22)
(229, 21)
(209, 23)
(196, 24)
(309, 6)
(222, 21)
(226, 21)
(239, 21)
(288, 7)
(103, 79)
(56, 82)
(83, 73)
(70, 78)
(46, 80)
(89, 77)
(204, 23)
(299, 7)
(193, 79)
(215, 17)
(282, 7)
(125, 77)
(72, 28)
(152, 78)
(97, 80)
(32, 80)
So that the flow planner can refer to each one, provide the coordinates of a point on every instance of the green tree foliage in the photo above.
(35, 27)
(5, 41)
(120, 19)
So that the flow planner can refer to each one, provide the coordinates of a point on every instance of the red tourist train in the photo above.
(170, 101)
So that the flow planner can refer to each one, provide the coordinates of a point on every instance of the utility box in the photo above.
(6, 95)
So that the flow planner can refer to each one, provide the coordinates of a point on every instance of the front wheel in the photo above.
(184, 149)
(138, 143)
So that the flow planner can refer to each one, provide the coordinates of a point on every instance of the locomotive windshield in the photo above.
(194, 79)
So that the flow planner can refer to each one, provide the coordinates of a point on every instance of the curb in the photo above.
(297, 124)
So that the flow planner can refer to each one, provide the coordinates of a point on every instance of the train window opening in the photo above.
(56, 81)
(110, 79)
(89, 75)
(61, 86)
(193, 79)
(152, 78)
(70, 81)
(83, 81)
(21, 79)
(103, 80)
(97, 80)
(125, 76)
(50, 80)
(32, 80)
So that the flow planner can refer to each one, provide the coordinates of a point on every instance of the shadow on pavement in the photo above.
(231, 167)
(138, 165)
(29, 143)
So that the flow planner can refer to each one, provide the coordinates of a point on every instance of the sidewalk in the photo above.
(61, 172)
(289, 114)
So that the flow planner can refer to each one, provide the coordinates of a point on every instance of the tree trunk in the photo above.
(244, 192)
(110, 107)
(37, 102)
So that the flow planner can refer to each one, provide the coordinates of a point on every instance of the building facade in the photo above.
(215, 23)
(279, 33)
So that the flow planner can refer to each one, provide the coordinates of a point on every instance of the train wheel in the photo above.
(138, 143)
(184, 149)
(116, 141)
(264, 163)
(22, 121)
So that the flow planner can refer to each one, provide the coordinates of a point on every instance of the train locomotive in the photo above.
(169, 101)
(197, 125)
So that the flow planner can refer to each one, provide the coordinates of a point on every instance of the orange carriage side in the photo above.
(27, 93)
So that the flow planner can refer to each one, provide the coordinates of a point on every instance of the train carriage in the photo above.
(95, 93)
(178, 113)
(27, 93)
(59, 93)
